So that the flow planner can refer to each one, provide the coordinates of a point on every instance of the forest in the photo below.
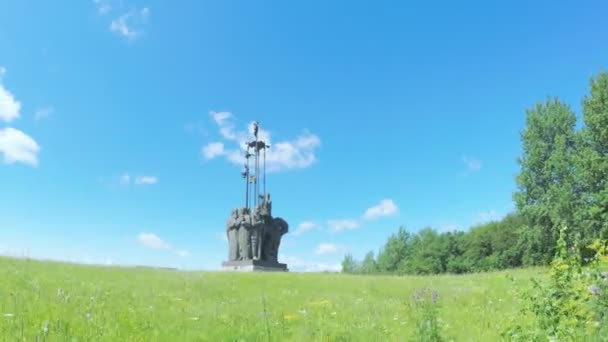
(562, 183)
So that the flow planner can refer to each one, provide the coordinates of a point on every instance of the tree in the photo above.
(593, 161)
(350, 265)
(369, 266)
(394, 251)
(429, 252)
(546, 195)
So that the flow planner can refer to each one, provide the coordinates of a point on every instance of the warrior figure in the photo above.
(257, 223)
(272, 238)
(244, 222)
(232, 226)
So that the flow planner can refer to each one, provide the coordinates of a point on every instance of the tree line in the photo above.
(562, 182)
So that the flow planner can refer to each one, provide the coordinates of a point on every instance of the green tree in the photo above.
(350, 265)
(593, 161)
(394, 251)
(369, 265)
(429, 253)
(546, 195)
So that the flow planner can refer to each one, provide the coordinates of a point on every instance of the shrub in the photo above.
(572, 304)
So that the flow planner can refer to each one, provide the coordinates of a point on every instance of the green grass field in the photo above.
(65, 302)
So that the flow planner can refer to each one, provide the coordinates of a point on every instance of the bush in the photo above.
(572, 304)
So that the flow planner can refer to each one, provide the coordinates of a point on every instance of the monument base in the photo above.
(253, 266)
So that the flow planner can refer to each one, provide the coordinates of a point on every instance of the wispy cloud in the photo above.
(127, 23)
(328, 248)
(152, 241)
(297, 153)
(472, 164)
(103, 6)
(127, 179)
(213, 150)
(43, 113)
(386, 207)
(343, 224)
(305, 227)
(146, 180)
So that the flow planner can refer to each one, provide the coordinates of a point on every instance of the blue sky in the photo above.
(119, 120)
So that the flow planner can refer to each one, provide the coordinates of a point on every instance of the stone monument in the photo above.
(254, 235)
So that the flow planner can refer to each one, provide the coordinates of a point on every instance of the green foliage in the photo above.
(369, 265)
(592, 162)
(545, 183)
(395, 251)
(571, 305)
(350, 265)
(486, 247)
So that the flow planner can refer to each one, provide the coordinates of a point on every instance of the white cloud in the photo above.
(305, 227)
(328, 248)
(18, 147)
(146, 180)
(103, 6)
(183, 253)
(43, 113)
(127, 24)
(121, 27)
(472, 164)
(151, 240)
(9, 106)
(343, 224)
(213, 150)
(103, 9)
(296, 264)
(125, 179)
(386, 207)
(297, 153)
(485, 217)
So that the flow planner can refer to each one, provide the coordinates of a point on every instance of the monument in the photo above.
(254, 235)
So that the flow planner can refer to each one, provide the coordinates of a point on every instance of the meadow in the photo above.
(49, 301)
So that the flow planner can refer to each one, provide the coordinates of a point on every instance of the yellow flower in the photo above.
(324, 302)
(290, 317)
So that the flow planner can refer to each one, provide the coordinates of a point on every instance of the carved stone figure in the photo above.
(272, 238)
(244, 223)
(232, 230)
(257, 233)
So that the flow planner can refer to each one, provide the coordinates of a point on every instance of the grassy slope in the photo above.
(112, 304)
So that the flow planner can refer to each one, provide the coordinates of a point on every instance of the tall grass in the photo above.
(48, 301)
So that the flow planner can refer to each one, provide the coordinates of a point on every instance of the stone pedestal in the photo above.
(253, 266)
